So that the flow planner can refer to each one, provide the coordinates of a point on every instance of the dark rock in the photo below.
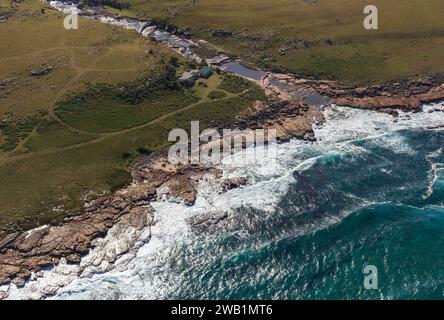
(207, 222)
(42, 72)
(229, 184)
(220, 33)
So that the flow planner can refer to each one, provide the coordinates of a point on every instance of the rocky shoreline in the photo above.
(406, 95)
(23, 255)
(293, 108)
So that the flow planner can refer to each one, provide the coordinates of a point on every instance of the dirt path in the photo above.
(80, 71)
(106, 136)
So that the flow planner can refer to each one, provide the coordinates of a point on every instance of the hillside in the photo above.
(78, 106)
(323, 38)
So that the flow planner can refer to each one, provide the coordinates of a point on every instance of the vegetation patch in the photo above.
(118, 179)
(310, 36)
(107, 108)
(120, 5)
(14, 131)
(216, 95)
(52, 134)
(234, 84)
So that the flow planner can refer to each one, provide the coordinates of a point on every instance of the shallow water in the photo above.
(243, 71)
(309, 97)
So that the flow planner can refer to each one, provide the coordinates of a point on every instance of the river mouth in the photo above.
(200, 51)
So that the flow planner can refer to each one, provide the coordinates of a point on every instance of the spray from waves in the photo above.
(156, 270)
(434, 173)
(347, 125)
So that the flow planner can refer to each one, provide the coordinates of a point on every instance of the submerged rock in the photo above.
(233, 183)
(208, 222)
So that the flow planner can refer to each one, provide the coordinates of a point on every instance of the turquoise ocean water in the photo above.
(370, 191)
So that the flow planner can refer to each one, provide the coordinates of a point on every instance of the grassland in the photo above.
(323, 38)
(105, 110)
(110, 96)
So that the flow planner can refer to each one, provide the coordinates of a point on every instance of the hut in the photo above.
(205, 72)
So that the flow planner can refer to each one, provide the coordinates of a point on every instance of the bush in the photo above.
(118, 179)
(110, 3)
(216, 95)
(18, 130)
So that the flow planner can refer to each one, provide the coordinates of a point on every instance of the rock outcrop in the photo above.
(208, 222)
(290, 118)
(408, 95)
(41, 72)
(233, 183)
(22, 253)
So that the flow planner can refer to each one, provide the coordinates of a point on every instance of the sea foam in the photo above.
(151, 272)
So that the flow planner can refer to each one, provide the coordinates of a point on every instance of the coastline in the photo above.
(126, 251)
(25, 254)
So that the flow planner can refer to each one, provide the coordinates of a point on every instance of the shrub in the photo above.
(216, 95)
(118, 179)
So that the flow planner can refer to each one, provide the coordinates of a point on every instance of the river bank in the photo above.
(406, 94)
(294, 110)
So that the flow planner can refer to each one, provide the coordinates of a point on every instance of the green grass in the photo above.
(13, 132)
(73, 133)
(123, 13)
(105, 110)
(118, 179)
(216, 95)
(50, 134)
(322, 38)
(95, 53)
(204, 87)
(234, 84)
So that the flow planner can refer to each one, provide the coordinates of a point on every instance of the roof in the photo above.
(188, 78)
(187, 75)
(205, 72)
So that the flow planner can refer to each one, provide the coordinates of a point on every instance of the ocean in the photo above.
(368, 192)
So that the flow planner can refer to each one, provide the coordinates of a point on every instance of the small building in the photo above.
(205, 72)
(188, 78)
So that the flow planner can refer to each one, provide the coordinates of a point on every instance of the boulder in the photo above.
(233, 183)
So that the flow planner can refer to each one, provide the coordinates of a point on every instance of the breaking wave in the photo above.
(302, 227)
